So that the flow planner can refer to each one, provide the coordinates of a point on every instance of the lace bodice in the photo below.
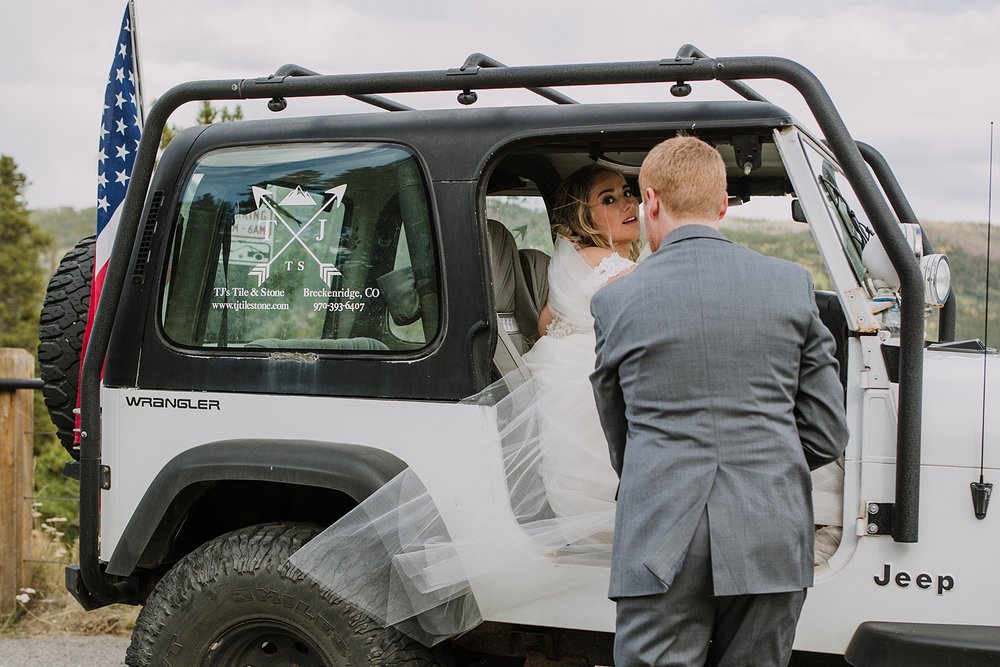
(572, 283)
(610, 267)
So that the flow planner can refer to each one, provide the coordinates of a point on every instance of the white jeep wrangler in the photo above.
(295, 306)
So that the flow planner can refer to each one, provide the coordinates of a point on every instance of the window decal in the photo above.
(298, 199)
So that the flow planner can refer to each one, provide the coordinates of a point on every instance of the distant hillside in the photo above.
(67, 226)
(964, 243)
(969, 237)
(788, 240)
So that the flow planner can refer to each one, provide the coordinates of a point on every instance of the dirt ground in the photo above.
(63, 652)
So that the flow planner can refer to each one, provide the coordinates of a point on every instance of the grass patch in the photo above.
(45, 608)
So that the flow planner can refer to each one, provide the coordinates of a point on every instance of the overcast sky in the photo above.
(915, 78)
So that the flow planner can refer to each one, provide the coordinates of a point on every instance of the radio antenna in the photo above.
(982, 490)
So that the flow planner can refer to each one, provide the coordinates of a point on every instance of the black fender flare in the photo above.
(355, 470)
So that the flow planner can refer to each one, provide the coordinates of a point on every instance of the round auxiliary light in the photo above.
(937, 279)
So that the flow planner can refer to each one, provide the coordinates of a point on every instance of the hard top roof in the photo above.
(456, 143)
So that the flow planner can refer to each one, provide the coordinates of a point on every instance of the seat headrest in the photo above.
(504, 260)
(535, 267)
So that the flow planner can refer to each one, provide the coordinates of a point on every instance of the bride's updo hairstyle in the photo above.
(571, 216)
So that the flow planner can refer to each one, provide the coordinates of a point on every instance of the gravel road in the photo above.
(110, 652)
(63, 652)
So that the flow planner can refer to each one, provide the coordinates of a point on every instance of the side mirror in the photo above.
(798, 215)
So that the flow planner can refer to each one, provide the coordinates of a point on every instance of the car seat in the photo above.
(517, 315)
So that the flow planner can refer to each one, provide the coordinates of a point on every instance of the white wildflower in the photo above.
(29, 590)
(23, 598)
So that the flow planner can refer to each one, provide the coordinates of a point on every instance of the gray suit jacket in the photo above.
(717, 389)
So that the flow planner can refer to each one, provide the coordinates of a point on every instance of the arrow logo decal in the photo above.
(327, 271)
(260, 272)
(263, 197)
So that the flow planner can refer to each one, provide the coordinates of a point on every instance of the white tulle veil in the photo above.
(393, 557)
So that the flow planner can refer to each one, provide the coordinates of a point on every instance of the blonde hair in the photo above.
(687, 174)
(571, 216)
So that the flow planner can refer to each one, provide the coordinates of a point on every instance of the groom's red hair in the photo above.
(688, 175)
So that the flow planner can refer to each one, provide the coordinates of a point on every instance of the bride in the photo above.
(392, 556)
(597, 240)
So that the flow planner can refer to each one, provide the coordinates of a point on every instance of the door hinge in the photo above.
(878, 519)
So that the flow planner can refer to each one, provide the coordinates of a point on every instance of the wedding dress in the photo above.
(575, 465)
(393, 557)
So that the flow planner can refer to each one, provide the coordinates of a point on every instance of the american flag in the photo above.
(121, 126)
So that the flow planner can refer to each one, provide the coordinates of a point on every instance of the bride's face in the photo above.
(613, 208)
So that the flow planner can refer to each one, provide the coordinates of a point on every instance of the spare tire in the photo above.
(60, 334)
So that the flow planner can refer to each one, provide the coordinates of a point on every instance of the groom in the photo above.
(718, 391)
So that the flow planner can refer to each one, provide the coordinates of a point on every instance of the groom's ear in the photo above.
(725, 205)
(652, 202)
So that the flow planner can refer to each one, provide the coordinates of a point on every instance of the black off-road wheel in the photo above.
(60, 332)
(235, 601)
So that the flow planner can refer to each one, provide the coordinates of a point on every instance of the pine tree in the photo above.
(207, 114)
(21, 278)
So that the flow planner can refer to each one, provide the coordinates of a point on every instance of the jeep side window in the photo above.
(306, 246)
(525, 218)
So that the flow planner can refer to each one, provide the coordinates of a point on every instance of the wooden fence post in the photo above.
(16, 427)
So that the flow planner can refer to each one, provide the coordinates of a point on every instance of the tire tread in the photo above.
(248, 550)
(61, 325)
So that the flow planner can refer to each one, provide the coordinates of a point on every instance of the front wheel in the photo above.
(235, 601)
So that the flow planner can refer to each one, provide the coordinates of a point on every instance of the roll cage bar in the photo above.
(483, 73)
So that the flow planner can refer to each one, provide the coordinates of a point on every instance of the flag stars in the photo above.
(120, 125)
